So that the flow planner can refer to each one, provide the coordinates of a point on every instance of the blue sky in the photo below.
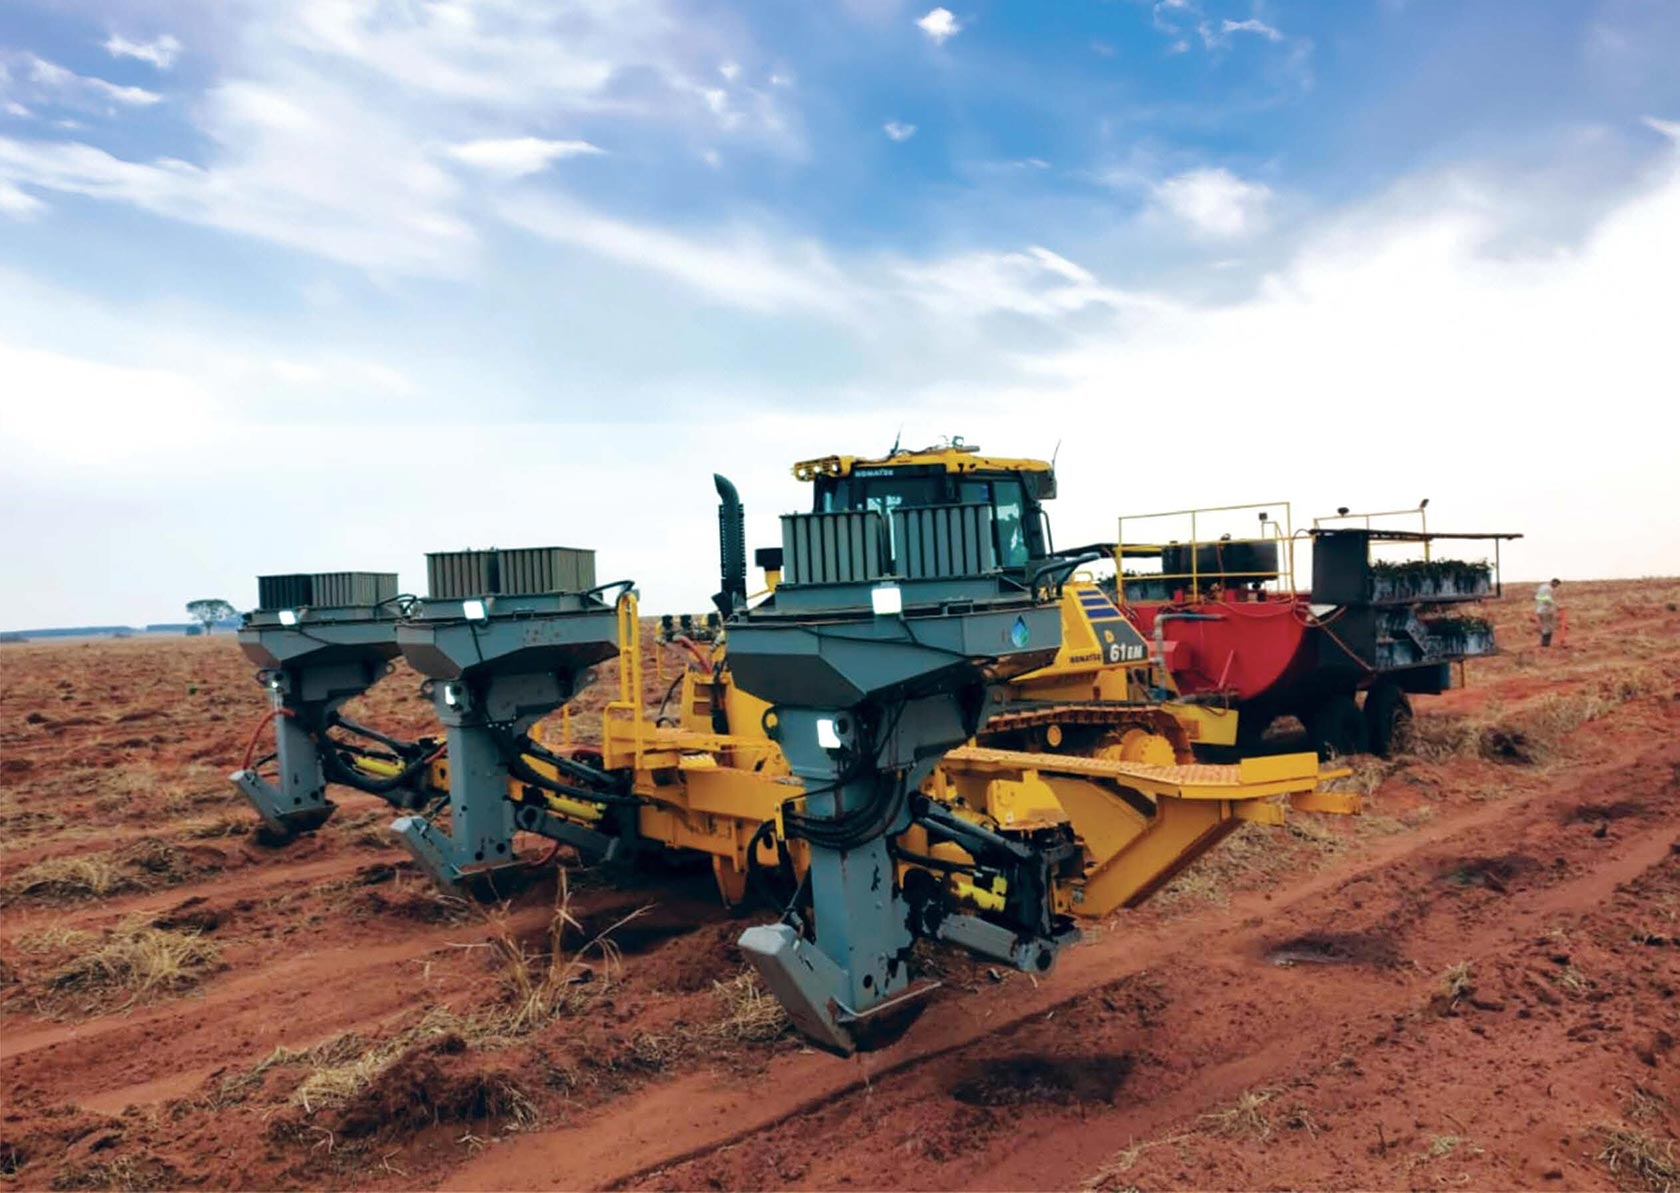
(332, 283)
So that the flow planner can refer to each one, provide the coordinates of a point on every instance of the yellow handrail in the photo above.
(630, 668)
(1273, 531)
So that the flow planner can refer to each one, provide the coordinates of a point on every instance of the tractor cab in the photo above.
(954, 477)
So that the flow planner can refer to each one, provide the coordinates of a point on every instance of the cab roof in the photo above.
(955, 456)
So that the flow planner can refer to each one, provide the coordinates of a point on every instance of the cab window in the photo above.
(1008, 522)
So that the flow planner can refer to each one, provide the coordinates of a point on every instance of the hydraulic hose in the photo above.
(403, 749)
(523, 771)
(251, 746)
(337, 770)
(580, 771)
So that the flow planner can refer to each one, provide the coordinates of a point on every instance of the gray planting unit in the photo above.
(497, 659)
(870, 683)
(313, 658)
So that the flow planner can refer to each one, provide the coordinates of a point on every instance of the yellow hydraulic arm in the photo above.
(1140, 823)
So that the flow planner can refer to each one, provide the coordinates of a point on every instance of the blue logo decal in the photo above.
(1019, 634)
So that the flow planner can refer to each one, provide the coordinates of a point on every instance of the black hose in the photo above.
(404, 749)
(659, 717)
(522, 770)
(939, 822)
(581, 771)
(852, 828)
(756, 879)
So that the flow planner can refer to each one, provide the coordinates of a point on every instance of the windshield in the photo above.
(1011, 525)
(882, 494)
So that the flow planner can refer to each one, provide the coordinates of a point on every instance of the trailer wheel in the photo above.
(1388, 720)
(1337, 728)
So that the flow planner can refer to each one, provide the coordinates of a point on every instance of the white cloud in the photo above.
(637, 58)
(498, 54)
(1214, 203)
(940, 24)
(1252, 25)
(1184, 22)
(73, 411)
(736, 267)
(717, 103)
(1398, 333)
(161, 52)
(1668, 128)
(1036, 282)
(329, 124)
(897, 130)
(311, 168)
(16, 203)
(12, 108)
(67, 84)
(515, 157)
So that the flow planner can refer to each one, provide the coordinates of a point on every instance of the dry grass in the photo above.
(1645, 1105)
(87, 876)
(346, 1065)
(1124, 1161)
(140, 961)
(543, 986)
(225, 825)
(1247, 1119)
(540, 987)
(1534, 732)
(54, 941)
(751, 1014)
(130, 1173)
(1442, 1146)
(1368, 774)
(1637, 1160)
(148, 862)
(1254, 854)
(1458, 982)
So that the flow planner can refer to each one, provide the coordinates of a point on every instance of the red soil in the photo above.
(1284, 1016)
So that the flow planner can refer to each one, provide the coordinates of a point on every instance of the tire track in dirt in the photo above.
(244, 879)
(692, 1120)
(235, 1021)
(243, 1015)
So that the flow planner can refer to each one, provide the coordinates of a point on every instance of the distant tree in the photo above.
(210, 610)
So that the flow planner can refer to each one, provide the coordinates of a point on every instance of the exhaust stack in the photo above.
(732, 548)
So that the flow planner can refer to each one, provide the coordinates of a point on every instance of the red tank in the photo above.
(1244, 648)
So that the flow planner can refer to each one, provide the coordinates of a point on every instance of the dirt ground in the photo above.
(1474, 985)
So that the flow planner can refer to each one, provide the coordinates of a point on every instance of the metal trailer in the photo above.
(1235, 633)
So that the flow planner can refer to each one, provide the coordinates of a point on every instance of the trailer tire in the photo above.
(1337, 728)
(1388, 720)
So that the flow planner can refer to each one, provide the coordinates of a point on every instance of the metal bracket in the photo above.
(284, 819)
(807, 983)
(598, 846)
